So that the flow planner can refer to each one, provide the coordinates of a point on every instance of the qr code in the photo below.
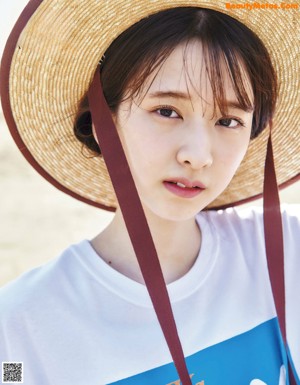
(12, 372)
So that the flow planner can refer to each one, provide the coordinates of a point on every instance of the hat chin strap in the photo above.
(274, 244)
(136, 222)
(141, 238)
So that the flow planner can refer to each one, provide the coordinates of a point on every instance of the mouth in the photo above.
(186, 183)
(184, 188)
(182, 185)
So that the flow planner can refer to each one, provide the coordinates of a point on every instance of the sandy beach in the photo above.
(37, 220)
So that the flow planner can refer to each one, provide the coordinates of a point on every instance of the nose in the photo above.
(195, 150)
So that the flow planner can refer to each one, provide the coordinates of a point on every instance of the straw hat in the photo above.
(52, 55)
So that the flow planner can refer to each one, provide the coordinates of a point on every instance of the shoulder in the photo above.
(40, 285)
(234, 222)
(291, 219)
(252, 216)
(245, 226)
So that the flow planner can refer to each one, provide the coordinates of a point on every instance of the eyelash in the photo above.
(169, 108)
(239, 121)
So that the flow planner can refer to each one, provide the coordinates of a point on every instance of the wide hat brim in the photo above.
(51, 57)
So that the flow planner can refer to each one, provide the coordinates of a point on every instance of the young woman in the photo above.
(188, 88)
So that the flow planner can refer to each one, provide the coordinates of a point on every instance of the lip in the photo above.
(191, 189)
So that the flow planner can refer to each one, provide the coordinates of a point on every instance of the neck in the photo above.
(177, 245)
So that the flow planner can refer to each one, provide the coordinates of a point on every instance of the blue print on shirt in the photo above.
(254, 357)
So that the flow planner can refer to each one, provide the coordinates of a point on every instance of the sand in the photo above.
(37, 221)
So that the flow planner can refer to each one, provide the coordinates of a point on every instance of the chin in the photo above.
(174, 213)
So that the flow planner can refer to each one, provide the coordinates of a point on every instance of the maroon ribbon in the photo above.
(136, 222)
(274, 244)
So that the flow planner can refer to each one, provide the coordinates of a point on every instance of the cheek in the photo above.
(140, 150)
(232, 155)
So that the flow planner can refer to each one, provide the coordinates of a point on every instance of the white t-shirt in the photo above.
(77, 321)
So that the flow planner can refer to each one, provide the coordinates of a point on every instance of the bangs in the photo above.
(145, 46)
(221, 63)
(230, 50)
(218, 64)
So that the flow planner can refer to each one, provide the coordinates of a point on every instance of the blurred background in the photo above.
(37, 221)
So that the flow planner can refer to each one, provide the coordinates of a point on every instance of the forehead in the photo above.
(187, 70)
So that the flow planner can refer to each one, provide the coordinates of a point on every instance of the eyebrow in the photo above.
(237, 106)
(185, 96)
(170, 94)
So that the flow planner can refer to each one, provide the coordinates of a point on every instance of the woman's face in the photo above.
(181, 151)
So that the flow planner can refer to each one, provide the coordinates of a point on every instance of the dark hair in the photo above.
(142, 48)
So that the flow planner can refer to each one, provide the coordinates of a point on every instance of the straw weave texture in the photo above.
(56, 56)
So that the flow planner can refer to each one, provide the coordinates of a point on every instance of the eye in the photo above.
(231, 122)
(167, 112)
